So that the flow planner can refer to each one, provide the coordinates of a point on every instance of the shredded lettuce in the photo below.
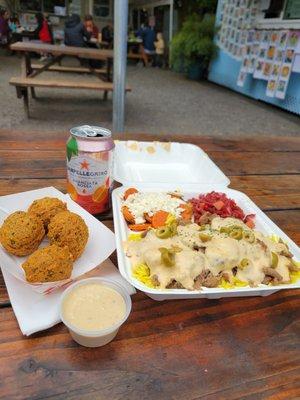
(295, 275)
(274, 238)
(141, 272)
(135, 237)
(235, 283)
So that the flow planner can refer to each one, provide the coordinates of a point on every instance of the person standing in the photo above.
(148, 35)
(4, 26)
(159, 50)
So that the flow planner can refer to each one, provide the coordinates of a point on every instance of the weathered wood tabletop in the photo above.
(83, 52)
(247, 348)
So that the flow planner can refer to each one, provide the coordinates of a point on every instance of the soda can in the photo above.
(90, 167)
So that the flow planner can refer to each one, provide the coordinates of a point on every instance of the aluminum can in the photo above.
(90, 167)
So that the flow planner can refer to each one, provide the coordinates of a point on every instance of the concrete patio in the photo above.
(161, 102)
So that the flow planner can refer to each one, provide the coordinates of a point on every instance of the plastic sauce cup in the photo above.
(103, 336)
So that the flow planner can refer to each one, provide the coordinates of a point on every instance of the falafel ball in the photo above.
(49, 264)
(46, 208)
(21, 233)
(69, 229)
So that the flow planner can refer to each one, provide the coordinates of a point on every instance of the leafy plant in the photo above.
(198, 6)
(194, 42)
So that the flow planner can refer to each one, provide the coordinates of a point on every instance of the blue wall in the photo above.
(224, 70)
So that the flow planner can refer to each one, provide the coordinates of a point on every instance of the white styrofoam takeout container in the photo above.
(159, 163)
(136, 168)
(263, 224)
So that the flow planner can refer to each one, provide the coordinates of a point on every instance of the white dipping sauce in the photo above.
(93, 307)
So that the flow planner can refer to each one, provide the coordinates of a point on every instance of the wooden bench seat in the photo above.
(135, 55)
(62, 68)
(138, 56)
(22, 85)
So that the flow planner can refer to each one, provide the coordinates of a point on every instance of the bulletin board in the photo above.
(263, 64)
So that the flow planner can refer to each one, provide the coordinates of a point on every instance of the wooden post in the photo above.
(23, 66)
(26, 70)
(26, 101)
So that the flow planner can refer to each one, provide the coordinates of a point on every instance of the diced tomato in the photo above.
(249, 220)
(250, 224)
(220, 204)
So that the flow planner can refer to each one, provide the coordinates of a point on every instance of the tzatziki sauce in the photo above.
(93, 307)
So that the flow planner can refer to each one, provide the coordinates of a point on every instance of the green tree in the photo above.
(188, 7)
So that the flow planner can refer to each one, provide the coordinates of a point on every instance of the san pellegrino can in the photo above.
(90, 167)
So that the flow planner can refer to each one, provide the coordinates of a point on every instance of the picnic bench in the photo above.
(232, 348)
(30, 71)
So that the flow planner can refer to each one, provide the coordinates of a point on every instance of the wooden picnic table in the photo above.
(30, 71)
(234, 348)
(58, 53)
(136, 51)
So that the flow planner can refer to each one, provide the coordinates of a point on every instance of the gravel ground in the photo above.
(161, 101)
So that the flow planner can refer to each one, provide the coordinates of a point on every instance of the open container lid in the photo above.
(165, 163)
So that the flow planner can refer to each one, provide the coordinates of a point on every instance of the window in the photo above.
(41, 5)
(279, 14)
(292, 9)
(48, 5)
(275, 8)
(285, 9)
(30, 5)
(101, 8)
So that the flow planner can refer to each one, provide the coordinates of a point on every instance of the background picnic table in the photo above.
(235, 348)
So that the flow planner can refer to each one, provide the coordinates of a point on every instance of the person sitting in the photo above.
(14, 23)
(75, 32)
(108, 35)
(77, 35)
(91, 27)
(159, 50)
(43, 31)
(4, 27)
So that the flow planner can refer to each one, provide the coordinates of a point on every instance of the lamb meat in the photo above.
(272, 273)
(207, 279)
(262, 244)
(174, 285)
(155, 281)
(267, 280)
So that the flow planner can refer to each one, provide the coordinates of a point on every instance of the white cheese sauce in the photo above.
(93, 307)
(218, 255)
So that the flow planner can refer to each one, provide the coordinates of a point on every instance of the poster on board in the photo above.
(288, 56)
